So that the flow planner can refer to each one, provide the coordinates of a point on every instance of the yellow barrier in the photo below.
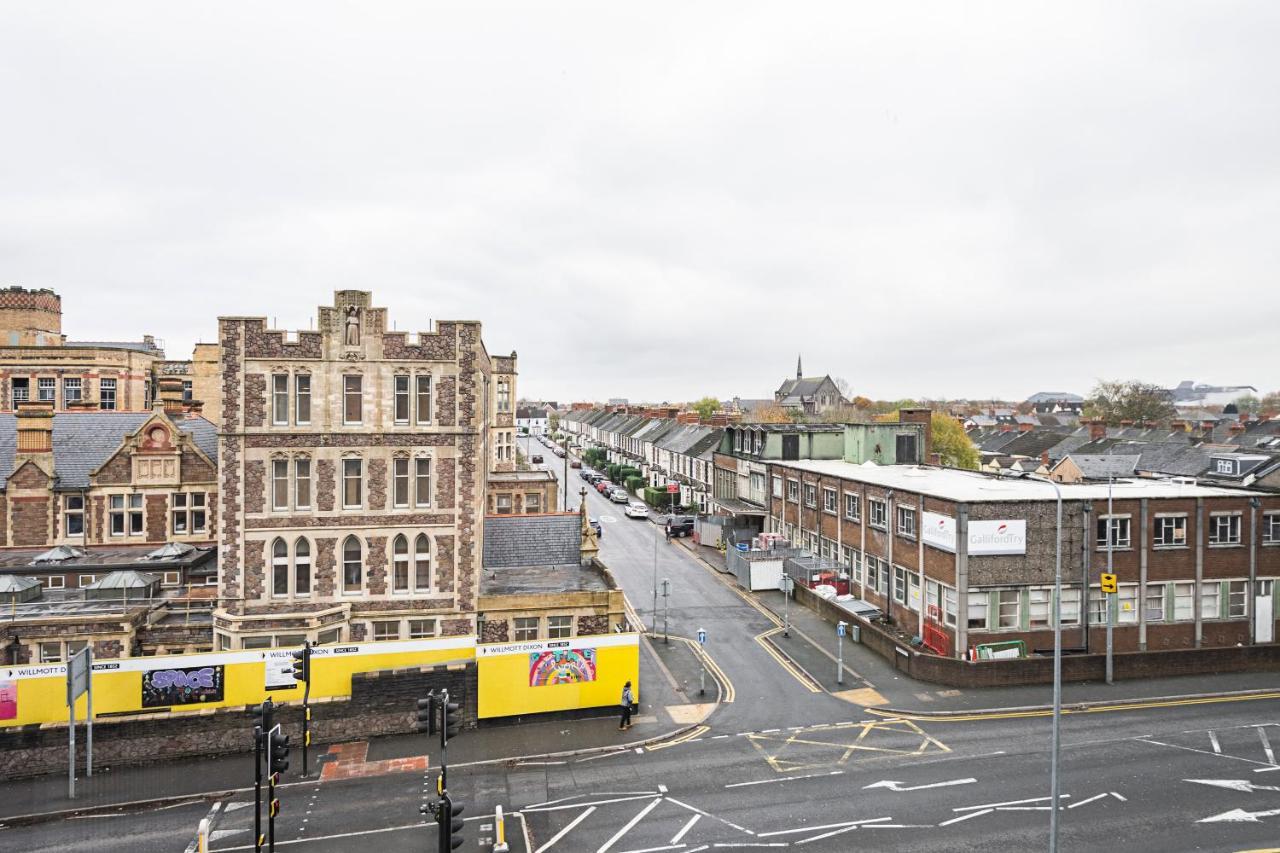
(556, 675)
(37, 693)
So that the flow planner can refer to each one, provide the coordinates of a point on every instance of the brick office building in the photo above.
(976, 553)
(354, 463)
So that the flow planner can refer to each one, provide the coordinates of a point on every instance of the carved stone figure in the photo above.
(352, 336)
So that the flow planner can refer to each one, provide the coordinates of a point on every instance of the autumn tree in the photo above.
(861, 402)
(706, 407)
(1248, 403)
(770, 415)
(951, 443)
(1270, 403)
(1116, 401)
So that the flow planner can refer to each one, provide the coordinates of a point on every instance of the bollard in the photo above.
(202, 836)
(499, 832)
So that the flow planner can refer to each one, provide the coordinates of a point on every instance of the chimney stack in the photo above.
(1125, 424)
(1006, 427)
(169, 396)
(1024, 426)
(1097, 429)
(1044, 458)
(35, 428)
(1244, 417)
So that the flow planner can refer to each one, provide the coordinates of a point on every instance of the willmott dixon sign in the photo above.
(986, 538)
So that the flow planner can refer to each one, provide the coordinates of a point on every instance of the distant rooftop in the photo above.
(525, 580)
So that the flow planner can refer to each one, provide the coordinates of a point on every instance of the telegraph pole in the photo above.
(666, 608)
(1111, 570)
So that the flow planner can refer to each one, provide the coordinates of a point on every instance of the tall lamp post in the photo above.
(1057, 673)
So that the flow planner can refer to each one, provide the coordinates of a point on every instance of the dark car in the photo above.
(595, 525)
(680, 525)
(585, 473)
(536, 458)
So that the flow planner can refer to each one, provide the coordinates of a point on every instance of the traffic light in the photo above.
(301, 669)
(447, 812)
(1108, 582)
(278, 761)
(275, 807)
(426, 722)
(262, 718)
(451, 720)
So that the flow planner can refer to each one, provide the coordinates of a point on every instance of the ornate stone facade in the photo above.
(359, 457)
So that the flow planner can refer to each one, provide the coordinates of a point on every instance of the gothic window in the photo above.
(302, 567)
(279, 568)
(400, 564)
(352, 565)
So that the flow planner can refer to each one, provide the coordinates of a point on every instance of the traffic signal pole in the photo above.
(302, 672)
(262, 726)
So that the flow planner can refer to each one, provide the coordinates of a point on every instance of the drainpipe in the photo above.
(888, 530)
(962, 580)
(1251, 599)
(1087, 514)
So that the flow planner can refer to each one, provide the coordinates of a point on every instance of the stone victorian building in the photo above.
(353, 462)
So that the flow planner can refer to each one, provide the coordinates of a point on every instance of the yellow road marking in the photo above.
(845, 748)
(864, 696)
(762, 640)
(689, 735)
(716, 671)
(1100, 709)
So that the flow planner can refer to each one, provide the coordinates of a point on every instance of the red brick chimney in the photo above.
(1006, 427)
(1237, 428)
(719, 419)
(1023, 426)
(1044, 458)
(1097, 429)
(1206, 427)
(1125, 424)
(1178, 425)
(687, 418)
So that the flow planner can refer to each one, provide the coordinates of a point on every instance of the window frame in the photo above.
(352, 399)
(350, 561)
(280, 484)
(853, 507)
(302, 398)
(1234, 525)
(878, 513)
(557, 629)
(419, 395)
(400, 481)
(279, 399)
(1174, 522)
(69, 382)
(358, 479)
(107, 402)
(830, 500)
(301, 482)
(400, 391)
(69, 512)
(1116, 524)
(1271, 527)
(811, 495)
(519, 631)
(905, 514)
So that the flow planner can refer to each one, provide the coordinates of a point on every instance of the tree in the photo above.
(553, 421)
(842, 385)
(861, 402)
(1248, 403)
(706, 407)
(951, 443)
(1270, 403)
(770, 415)
(1116, 401)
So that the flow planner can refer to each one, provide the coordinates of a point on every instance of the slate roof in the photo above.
(1055, 397)
(1104, 466)
(138, 346)
(512, 541)
(83, 441)
(529, 413)
(526, 580)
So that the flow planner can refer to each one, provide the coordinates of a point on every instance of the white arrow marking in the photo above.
(1239, 816)
(1242, 785)
(897, 786)
(219, 834)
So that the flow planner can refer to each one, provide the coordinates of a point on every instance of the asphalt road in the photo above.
(784, 767)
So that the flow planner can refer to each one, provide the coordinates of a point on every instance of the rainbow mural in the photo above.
(562, 666)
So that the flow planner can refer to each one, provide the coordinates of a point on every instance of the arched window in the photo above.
(301, 567)
(400, 564)
(352, 565)
(279, 568)
(422, 563)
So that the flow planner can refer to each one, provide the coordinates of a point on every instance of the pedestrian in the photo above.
(668, 530)
(627, 701)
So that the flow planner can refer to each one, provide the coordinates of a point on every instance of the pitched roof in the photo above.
(82, 441)
(1104, 466)
(512, 541)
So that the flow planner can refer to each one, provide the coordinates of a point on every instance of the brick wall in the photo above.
(381, 703)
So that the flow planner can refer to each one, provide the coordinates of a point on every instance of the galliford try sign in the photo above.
(985, 537)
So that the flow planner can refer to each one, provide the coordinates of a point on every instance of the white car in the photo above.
(636, 509)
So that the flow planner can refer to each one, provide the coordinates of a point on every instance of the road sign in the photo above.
(78, 674)
(702, 636)
(1108, 582)
(840, 629)
(673, 488)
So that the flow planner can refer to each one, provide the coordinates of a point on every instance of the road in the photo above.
(782, 766)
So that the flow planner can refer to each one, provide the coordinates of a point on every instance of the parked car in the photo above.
(595, 525)
(536, 458)
(636, 509)
(681, 525)
(619, 495)
(603, 486)
(560, 452)
(574, 463)
(585, 473)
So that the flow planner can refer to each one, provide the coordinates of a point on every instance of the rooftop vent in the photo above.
(59, 554)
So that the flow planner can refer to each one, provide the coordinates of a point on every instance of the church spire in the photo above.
(799, 374)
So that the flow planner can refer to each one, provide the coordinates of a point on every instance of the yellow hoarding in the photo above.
(556, 675)
(178, 683)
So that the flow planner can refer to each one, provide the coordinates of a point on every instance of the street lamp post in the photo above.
(1057, 674)
(788, 583)
(1109, 527)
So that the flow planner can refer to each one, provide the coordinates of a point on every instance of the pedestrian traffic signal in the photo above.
(426, 722)
(301, 669)
(278, 762)
(1108, 582)
(451, 720)
(447, 812)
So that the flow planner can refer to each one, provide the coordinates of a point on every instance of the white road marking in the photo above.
(1202, 751)
(1239, 816)
(844, 824)
(1118, 797)
(1092, 799)
(684, 830)
(654, 849)
(580, 805)
(1213, 741)
(897, 786)
(697, 810)
(1266, 746)
(628, 826)
(1010, 803)
(785, 779)
(662, 789)
(966, 817)
(233, 806)
(562, 833)
(213, 811)
(604, 755)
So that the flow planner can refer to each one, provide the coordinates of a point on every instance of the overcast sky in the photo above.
(661, 201)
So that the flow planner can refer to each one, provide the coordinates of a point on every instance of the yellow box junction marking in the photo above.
(789, 752)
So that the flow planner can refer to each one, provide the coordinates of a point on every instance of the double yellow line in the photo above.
(798, 674)
(713, 668)
(1097, 709)
(676, 741)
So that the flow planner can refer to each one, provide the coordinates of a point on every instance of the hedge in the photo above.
(634, 483)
